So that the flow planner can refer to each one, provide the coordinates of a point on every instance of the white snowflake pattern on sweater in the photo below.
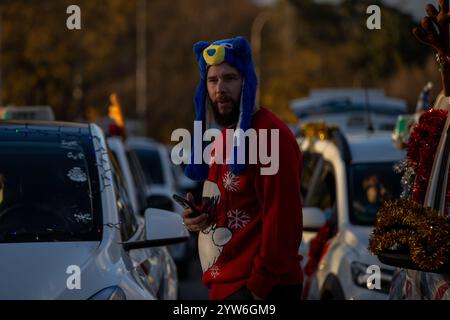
(237, 219)
(230, 181)
(214, 271)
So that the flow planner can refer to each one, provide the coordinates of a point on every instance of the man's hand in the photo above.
(194, 224)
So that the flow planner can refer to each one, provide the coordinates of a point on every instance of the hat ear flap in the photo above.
(200, 102)
(199, 47)
(197, 172)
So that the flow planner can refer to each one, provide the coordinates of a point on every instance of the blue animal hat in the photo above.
(237, 53)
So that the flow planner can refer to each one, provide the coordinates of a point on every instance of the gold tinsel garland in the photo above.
(407, 224)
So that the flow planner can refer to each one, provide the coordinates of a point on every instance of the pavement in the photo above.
(191, 287)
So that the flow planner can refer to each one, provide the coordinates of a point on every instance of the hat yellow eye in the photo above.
(214, 54)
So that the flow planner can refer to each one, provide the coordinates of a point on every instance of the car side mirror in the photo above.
(162, 228)
(313, 219)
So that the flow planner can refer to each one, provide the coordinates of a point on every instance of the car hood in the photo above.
(38, 270)
(357, 237)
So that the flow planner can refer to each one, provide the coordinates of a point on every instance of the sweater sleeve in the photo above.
(279, 196)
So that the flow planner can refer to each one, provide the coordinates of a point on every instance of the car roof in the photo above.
(44, 124)
(344, 100)
(145, 142)
(49, 128)
(373, 147)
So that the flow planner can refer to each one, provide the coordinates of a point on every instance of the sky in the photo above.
(415, 7)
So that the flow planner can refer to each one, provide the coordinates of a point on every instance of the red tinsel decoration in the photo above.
(422, 147)
(316, 247)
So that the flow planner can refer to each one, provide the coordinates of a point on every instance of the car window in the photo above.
(174, 173)
(138, 178)
(49, 188)
(128, 222)
(151, 163)
(322, 194)
(310, 162)
(371, 184)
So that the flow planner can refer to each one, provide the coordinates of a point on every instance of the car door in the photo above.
(318, 191)
(413, 284)
(322, 195)
(434, 285)
(322, 191)
(146, 263)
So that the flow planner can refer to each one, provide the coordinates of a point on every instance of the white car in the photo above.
(67, 227)
(351, 109)
(157, 166)
(345, 179)
(132, 171)
(164, 280)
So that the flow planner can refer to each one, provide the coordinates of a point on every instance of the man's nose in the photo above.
(220, 88)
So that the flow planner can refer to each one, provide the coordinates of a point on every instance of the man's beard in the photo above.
(226, 120)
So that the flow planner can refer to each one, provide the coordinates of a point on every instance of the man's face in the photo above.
(224, 84)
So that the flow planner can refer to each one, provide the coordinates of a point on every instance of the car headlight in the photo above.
(110, 293)
(363, 276)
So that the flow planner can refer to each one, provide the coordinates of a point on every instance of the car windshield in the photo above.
(151, 164)
(48, 190)
(370, 185)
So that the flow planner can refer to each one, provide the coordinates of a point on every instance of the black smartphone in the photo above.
(186, 204)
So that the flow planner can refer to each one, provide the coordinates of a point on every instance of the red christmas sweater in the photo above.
(257, 220)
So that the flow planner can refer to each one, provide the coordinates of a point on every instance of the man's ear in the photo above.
(199, 47)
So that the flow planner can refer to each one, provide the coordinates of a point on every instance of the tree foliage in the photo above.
(45, 63)
(304, 45)
(330, 46)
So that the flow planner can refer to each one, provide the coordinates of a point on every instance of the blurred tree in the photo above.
(304, 45)
(172, 75)
(75, 71)
(330, 46)
(45, 63)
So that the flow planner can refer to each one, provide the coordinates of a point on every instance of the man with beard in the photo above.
(251, 224)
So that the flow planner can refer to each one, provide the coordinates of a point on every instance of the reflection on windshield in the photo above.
(45, 192)
(372, 184)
